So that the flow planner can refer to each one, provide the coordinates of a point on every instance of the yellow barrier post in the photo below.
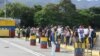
(33, 40)
(44, 42)
(87, 42)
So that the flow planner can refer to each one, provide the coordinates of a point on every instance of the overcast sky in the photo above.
(79, 3)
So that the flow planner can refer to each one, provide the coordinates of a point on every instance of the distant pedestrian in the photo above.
(75, 34)
(27, 33)
(67, 35)
(33, 31)
(23, 31)
(48, 35)
(19, 32)
(40, 33)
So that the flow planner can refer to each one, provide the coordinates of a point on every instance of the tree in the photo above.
(1, 13)
(37, 8)
(27, 17)
(64, 13)
(96, 16)
(20, 11)
(48, 15)
(14, 10)
(57, 14)
(85, 16)
(68, 10)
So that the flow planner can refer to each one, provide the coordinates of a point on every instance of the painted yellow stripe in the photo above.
(44, 39)
(32, 37)
(4, 32)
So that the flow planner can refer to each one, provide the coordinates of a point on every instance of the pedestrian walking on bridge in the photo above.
(27, 33)
(53, 42)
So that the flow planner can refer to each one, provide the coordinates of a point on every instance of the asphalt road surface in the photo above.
(20, 47)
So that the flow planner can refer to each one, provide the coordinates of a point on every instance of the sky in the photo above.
(86, 3)
(80, 4)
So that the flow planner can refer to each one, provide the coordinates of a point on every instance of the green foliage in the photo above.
(1, 13)
(48, 15)
(96, 16)
(14, 9)
(20, 11)
(27, 17)
(84, 16)
(23, 12)
(37, 8)
(64, 13)
(68, 11)
(95, 10)
(57, 14)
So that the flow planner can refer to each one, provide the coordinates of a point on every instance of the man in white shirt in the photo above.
(81, 33)
(86, 32)
(59, 30)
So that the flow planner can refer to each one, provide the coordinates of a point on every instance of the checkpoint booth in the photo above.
(7, 27)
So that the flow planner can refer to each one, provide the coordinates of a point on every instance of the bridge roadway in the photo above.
(20, 47)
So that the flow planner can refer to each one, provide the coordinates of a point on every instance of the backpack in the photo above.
(93, 34)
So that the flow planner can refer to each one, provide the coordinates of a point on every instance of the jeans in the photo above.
(62, 39)
(82, 40)
(53, 49)
(91, 42)
(67, 40)
(49, 42)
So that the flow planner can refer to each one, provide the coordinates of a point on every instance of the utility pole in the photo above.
(5, 2)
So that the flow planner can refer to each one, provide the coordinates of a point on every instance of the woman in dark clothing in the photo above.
(40, 33)
(27, 33)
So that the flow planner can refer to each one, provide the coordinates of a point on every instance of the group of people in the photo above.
(60, 34)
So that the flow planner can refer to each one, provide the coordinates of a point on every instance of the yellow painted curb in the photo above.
(67, 47)
(71, 48)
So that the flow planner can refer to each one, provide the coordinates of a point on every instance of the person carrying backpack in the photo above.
(91, 36)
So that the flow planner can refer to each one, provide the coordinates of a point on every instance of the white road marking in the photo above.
(23, 48)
